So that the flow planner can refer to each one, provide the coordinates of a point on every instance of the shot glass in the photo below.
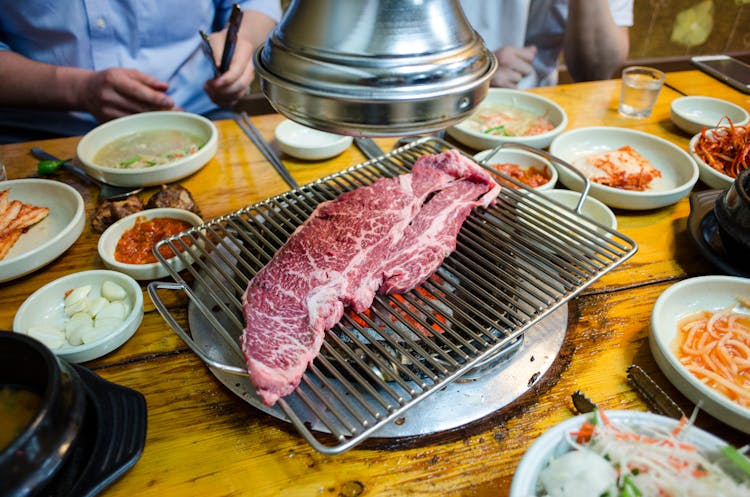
(640, 88)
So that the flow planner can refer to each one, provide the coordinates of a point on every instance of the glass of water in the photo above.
(640, 88)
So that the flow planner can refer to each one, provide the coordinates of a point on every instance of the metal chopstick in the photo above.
(243, 120)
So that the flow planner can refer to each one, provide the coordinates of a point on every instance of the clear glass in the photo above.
(640, 88)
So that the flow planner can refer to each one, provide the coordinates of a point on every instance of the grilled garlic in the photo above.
(88, 319)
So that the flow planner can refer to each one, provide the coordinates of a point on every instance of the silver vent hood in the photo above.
(374, 67)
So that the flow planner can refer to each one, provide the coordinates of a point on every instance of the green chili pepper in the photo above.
(47, 167)
(629, 489)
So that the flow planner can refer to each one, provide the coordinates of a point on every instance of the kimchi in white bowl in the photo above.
(627, 169)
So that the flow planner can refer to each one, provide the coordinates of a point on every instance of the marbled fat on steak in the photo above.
(339, 258)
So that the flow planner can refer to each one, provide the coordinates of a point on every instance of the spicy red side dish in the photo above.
(136, 244)
(725, 148)
(532, 176)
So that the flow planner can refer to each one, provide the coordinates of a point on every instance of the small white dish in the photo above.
(591, 208)
(523, 159)
(709, 293)
(106, 133)
(467, 134)
(692, 114)
(708, 175)
(553, 444)
(307, 143)
(46, 307)
(679, 172)
(49, 238)
(151, 271)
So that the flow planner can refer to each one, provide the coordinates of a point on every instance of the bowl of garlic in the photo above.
(83, 316)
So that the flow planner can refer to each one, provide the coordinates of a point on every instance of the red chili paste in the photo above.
(532, 176)
(136, 244)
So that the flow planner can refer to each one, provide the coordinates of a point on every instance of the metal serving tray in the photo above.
(515, 265)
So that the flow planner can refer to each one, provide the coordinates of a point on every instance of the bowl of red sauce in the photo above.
(529, 168)
(128, 245)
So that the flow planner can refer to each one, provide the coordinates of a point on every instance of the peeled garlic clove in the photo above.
(112, 291)
(107, 323)
(78, 306)
(92, 334)
(77, 294)
(115, 310)
(51, 336)
(96, 305)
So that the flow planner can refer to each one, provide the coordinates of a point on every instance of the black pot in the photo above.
(33, 458)
(732, 210)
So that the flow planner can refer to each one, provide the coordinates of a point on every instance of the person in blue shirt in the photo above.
(66, 67)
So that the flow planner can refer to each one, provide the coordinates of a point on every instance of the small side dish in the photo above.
(722, 153)
(693, 114)
(610, 454)
(82, 316)
(630, 169)
(508, 120)
(127, 245)
(699, 340)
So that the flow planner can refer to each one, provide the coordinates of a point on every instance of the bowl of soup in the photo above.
(42, 407)
(147, 149)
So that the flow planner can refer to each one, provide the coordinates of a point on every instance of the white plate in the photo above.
(591, 208)
(108, 242)
(709, 293)
(52, 236)
(102, 135)
(708, 175)
(46, 307)
(553, 444)
(692, 114)
(536, 104)
(679, 171)
(523, 159)
(308, 143)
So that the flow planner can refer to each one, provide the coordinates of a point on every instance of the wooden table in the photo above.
(203, 440)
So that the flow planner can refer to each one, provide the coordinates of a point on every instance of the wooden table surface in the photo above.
(204, 440)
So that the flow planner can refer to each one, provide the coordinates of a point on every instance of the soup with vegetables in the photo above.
(17, 408)
(148, 149)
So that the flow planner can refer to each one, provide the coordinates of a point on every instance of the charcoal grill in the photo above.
(496, 309)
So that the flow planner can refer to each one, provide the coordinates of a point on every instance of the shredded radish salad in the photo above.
(622, 460)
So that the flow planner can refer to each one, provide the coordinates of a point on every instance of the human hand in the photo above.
(513, 63)
(118, 92)
(227, 88)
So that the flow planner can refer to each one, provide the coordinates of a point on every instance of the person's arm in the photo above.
(594, 45)
(226, 89)
(105, 94)
(513, 63)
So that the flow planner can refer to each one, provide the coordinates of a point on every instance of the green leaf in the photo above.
(47, 167)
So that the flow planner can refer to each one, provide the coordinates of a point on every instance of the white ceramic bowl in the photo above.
(46, 307)
(710, 293)
(308, 143)
(592, 208)
(553, 444)
(540, 106)
(679, 171)
(48, 239)
(692, 114)
(108, 242)
(708, 175)
(102, 135)
(523, 159)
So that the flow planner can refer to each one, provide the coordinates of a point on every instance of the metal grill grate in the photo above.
(515, 263)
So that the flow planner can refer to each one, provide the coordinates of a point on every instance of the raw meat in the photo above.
(338, 257)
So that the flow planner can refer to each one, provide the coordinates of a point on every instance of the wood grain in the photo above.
(204, 440)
